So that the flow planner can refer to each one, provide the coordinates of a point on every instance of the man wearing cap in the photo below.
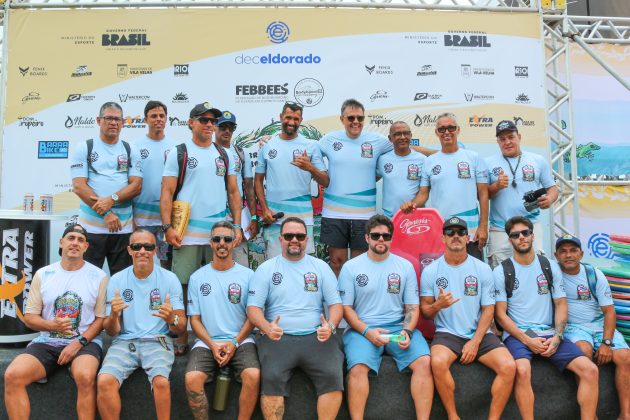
(592, 316)
(531, 306)
(106, 175)
(379, 292)
(458, 292)
(144, 304)
(154, 147)
(512, 173)
(457, 181)
(226, 125)
(66, 302)
(208, 184)
(288, 162)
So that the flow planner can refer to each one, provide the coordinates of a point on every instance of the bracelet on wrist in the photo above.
(233, 340)
(254, 217)
(365, 331)
(237, 226)
(107, 212)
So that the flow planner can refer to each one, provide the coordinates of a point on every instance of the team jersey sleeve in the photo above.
(231, 167)
(78, 162)
(101, 298)
(170, 166)
(316, 158)
(491, 177)
(259, 288)
(602, 291)
(482, 171)
(379, 166)
(261, 167)
(410, 294)
(177, 298)
(247, 167)
(346, 286)
(546, 179)
(250, 279)
(34, 303)
(425, 178)
(558, 291)
(193, 297)
(499, 284)
(330, 292)
(321, 145)
(136, 161)
(426, 281)
(487, 286)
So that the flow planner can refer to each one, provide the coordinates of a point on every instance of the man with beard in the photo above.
(531, 306)
(287, 163)
(379, 292)
(286, 302)
(217, 301)
(458, 292)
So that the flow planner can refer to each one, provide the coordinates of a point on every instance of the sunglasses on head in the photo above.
(206, 120)
(294, 106)
(375, 236)
(299, 236)
(353, 118)
(450, 128)
(453, 232)
(139, 246)
(217, 239)
(516, 234)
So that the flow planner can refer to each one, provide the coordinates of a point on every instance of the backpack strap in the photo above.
(226, 160)
(128, 150)
(90, 147)
(591, 276)
(182, 161)
(509, 273)
(546, 268)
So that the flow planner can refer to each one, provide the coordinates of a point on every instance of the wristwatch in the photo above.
(175, 321)
(409, 332)
(166, 227)
(84, 341)
(607, 342)
(115, 198)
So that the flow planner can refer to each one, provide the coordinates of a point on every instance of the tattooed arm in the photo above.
(412, 313)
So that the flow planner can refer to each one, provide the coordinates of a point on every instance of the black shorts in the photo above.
(322, 363)
(48, 355)
(202, 360)
(110, 246)
(456, 343)
(343, 233)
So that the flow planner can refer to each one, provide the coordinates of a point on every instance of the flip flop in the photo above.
(180, 348)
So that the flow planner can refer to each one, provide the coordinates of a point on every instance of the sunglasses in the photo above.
(524, 232)
(450, 128)
(353, 118)
(453, 232)
(227, 127)
(294, 106)
(375, 236)
(206, 120)
(299, 236)
(217, 239)
(139, 246)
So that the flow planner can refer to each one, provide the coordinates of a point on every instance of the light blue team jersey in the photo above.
(352, 170)
(146, 205)
(378, 291)
(453, 178)
(532, 173)
(203, 188)
(401, 178)
(242, 170)
(295, 290)
(583, 307)
(471, 282)
(288, 188)
(144, 298)
(220, 297)
(112, 174)
(531, 303)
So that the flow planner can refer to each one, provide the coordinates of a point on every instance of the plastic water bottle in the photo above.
(222, 388)
(394, 338)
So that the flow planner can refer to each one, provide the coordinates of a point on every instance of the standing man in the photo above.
(288, 162)
(66, 303)
(379, 292)
(217, 308)
(592, 316)
(401, 169)
(286, 302)
(144, 304)
(457, 180)
(106, 174)
(458, 292)
(531, 306)
(207, 184)
(244, 180)
(154, 148)
(512, 173)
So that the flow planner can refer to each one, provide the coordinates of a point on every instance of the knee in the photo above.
(251, 377)
(439, 364)
(358, 372)
(12, 379)
(589, 372)
(84, 380)
(161, 384)
(623, 361)
(106, 384)
(507, 369)
(194, 381)
(523, 372)
(421, 366)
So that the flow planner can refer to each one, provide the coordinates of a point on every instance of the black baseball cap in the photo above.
(75, 228)
(201, 109)
(454, 222)
(506, 125)
(568, 239)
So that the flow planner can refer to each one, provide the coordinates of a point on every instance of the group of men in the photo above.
(297, 301)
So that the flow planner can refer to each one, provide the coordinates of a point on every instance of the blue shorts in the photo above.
(577, 333)
(125, 356)
(359, 350)
(567, 351)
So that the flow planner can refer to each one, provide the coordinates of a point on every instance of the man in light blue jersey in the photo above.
(217, 302)
(531, 306)
(286, 165)
(226, 125)
(401, 169)
(286, 302)
(106, 175)
(592, 317)
(457, 180)
(458, 292)
(512, 174)
(379, 292)
(144, 304)
(154, 148)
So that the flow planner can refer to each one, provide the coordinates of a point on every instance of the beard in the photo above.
(379, 250)
(288, 129)
(294, 252)
(221, 256)
(524, 250)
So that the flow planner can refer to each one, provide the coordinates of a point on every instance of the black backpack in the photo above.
(510, 274)
(90, 147)
(182, 160)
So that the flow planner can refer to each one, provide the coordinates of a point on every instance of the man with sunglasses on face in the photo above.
(457, 181)
(458, 292)
(379, 292)
(531, 306)
(144, 304)
(512, 173)
(286, 164)
(217, 301)
(286, 302)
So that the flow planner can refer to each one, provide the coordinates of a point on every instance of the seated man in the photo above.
(379, 292)
(217, 302)
(458, 292)
(592, 316)
(140, 317)
(66, 303)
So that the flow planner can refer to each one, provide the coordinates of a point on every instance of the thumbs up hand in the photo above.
(166, 309)
(117, 304)
(274, 332)
(324, 332)
(503, 181)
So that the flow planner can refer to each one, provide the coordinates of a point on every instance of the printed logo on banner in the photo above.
(379, 94)
(79, 122)
(599, 246)
(140, 70)
(124, 97)
(35, 71)
(469, 71)
(426, 119)
(125, 38)
(379, 69)
(480, 121)
(53, 150)
(278, 32)
(522, 98)
(466, 40)
(415, 227)
(261, 93)
(134, 122)
(421, 96)
(180, 98)
(378, 120)
(475, 97)
(180, 69)
(520, 122)
(308, 92)
(278, 58)
(81, 71)
(79, 39)
(23, 71)
(427, 70)
(176, 122)
(466, 70)
(30, 97)
(521, 71)
(73, 97)
(369, 69)
(122, 70)
(29, 122)
(422, 39)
